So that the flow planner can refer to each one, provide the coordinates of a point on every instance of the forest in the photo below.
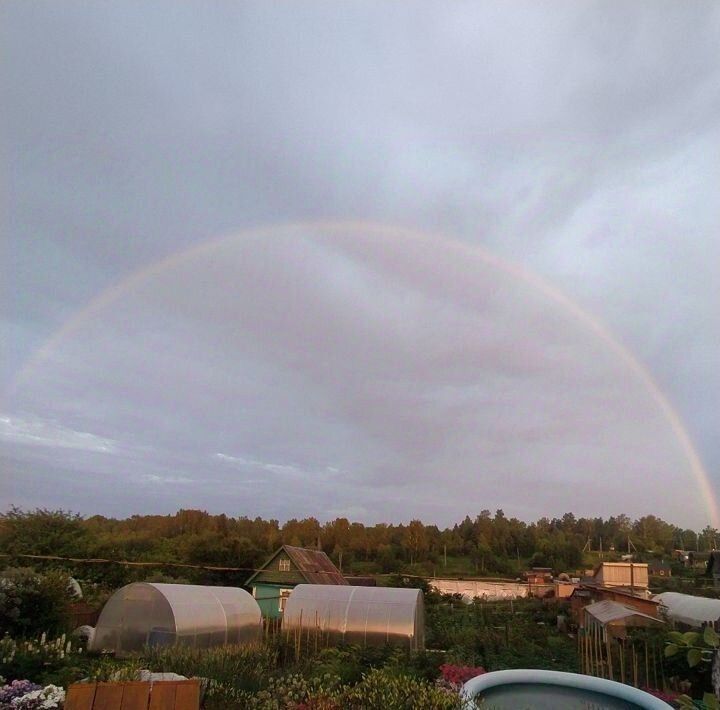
(489, 544)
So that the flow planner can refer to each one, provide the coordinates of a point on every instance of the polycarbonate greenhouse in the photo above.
(694, 612)
(143, 614)
(366, 616)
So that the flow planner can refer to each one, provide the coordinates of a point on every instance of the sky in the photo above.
(380, 261)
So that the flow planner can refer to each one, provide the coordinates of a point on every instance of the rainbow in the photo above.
(549, 291)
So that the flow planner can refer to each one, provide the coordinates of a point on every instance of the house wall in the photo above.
(268, 598)
(279, 570)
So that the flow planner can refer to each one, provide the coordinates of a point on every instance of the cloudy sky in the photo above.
(381, 261)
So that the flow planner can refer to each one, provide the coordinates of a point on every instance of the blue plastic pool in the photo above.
(550, 690)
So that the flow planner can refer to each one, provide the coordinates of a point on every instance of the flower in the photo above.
(45, 698)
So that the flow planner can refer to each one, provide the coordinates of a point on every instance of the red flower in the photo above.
(457, 675)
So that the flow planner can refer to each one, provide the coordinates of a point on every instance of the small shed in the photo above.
(288, 567)
(614, 618)
(687, 610)
(143, 614)
(632, 575)
(366, 616)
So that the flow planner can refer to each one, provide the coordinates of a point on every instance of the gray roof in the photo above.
(608, 611)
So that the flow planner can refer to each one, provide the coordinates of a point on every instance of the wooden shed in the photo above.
(614, 618)
(621, 574)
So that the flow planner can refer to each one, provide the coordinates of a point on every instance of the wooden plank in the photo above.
(80, 696)
(136, 695)
(162, 695)
(187, 696)
(108, 696)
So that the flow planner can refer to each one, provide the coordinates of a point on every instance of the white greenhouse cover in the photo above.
(690, 610)
(143, 614)
(358, 615)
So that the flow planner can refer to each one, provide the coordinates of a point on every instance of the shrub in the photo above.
(45, 661)
(238, 667)
(290, 692)
(32, 603)
(381, 690)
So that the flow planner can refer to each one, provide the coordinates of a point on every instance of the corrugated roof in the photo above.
(315, 566)
(608, 611)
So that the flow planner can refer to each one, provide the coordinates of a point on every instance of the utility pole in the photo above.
(444, 555)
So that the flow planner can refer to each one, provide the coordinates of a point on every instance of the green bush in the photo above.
(290, 692)
(236, 667)
(32, 603)
(45, 661)
(383, 690)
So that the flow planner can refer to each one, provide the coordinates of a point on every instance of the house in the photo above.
(288, 567)
(564, 589)
(539, 575)
(659, 569)
(539, 581)
(627, 575)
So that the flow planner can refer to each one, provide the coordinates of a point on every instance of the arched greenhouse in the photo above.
(366, 616)
(143, 614)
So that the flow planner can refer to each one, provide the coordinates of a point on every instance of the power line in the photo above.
(184, 565)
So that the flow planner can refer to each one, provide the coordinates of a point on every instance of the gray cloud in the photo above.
(579, 143)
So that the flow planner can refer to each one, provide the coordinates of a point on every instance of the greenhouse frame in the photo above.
(146, 614)
(366, 616)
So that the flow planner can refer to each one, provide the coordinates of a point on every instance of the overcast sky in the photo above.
(414, 370)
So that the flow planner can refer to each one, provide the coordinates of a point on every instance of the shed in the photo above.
(691, 611)
(288, 567)
(143, 614)
(621, 574)
(366, 616)
(615, 618)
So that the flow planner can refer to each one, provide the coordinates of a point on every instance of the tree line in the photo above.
(488, 543)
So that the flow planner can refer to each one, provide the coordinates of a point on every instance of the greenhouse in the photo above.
(366, 616)
(143, 614)
(690, 611)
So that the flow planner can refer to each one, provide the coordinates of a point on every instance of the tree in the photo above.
(42, 532)
(415, 539)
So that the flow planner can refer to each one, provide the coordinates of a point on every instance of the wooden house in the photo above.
(288, 567)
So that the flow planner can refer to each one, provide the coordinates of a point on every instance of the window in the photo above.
(284, 565)
(284, 594)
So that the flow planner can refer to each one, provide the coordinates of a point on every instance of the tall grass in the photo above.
(238, 667)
